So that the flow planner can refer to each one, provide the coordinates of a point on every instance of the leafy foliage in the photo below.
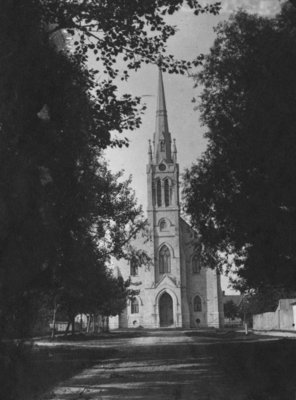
(265, 299)
(230, 309)
(133, 30)
(62, 212)
(241, 194)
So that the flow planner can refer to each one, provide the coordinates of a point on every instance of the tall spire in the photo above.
(162, 137)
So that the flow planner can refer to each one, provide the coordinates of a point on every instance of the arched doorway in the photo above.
(166, 316)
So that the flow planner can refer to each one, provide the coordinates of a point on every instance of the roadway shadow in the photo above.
(171, 372)
(202, 369)
(214, 371)
(27, 372)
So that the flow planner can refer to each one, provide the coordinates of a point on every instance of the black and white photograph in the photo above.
(148, 200)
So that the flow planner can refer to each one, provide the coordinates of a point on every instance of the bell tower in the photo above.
(162, 168)
(163, 194)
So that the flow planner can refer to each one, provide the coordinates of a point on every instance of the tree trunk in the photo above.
(67, 329)
(73, 323)
(246, 324)
(96, 323)
(54, 320)
(81, 323)
(105, 324)
(88, 323)
(70, 322)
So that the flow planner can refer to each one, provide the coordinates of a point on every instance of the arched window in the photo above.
(162, 225)
(162, 145)
(153, 193)
(158, 189)
(134, 306)
(166, 193)
(195, 264)
(197, 304)
(164, 260)
(134, 268)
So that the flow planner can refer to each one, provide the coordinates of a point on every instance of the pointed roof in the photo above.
(167, 281)
(161, 105)
(162, 137)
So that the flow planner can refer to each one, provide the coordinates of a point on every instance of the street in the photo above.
(175, 365)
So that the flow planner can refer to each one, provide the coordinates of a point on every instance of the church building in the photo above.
(175, 291)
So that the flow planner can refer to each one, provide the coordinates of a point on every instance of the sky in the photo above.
(195, 35)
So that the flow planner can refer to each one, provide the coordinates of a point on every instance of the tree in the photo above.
(58, 197)
(241, 194)
(230, 309)
(82, 282)
(136, 31)
(257, 302)
(118, 293)
(264, 299)
(130, 31)
(62, 212)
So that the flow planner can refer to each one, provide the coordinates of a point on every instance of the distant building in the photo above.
(236, 298)
(237, 302)
(175, 291)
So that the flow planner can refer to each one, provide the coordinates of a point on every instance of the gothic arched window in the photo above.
(134, 306)
(166, 192)
(134, 268)
(153, 194)
(195, 264)
(164, 260)
(158, 190)
(197, 304)
(162, 145)
(162, 225)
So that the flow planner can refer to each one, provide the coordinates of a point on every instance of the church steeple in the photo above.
(162, 137)
(162, 168)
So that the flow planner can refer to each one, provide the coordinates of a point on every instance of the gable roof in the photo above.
(236, 298)
(168, 280)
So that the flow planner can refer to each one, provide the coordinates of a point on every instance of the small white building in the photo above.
(174, 291)
(283, 318)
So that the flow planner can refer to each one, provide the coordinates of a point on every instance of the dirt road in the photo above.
(176, 365)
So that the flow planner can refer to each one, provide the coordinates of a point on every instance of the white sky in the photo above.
(195, 35)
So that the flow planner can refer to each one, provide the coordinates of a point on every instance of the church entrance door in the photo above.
(166, 317)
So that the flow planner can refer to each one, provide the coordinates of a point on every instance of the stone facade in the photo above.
(174, 291)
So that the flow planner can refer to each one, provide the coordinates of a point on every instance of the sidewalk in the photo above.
(288, 334)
